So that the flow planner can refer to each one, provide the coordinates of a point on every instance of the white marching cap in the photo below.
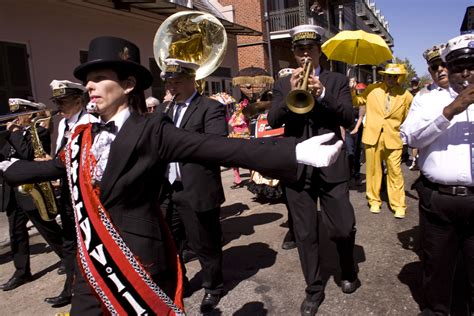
(15, 103)
(306, 33)
(175, 67)
(458, 47)
(285, 72)
(63, 88)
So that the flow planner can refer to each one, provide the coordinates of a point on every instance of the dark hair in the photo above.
(136, 98)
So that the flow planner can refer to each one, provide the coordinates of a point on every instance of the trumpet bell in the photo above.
(194, 37)
(300, 101)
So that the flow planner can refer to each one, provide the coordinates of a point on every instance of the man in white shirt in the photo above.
(441, 125)
(70, 99)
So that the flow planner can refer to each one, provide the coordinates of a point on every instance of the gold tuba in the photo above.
(42, 193)
(300, 101)
(191, 36)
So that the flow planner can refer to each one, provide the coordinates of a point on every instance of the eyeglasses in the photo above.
(435, 67)
(392, 76)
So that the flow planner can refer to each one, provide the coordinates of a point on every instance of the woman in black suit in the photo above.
(115, 170)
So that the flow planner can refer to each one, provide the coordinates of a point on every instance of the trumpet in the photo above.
(300, 100)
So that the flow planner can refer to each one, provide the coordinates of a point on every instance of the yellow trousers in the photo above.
(374, 155)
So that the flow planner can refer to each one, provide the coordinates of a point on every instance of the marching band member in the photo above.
(194, 192)
(20, 207)
(128, 263)
(332, 109)
(70, 100)
(441, 127)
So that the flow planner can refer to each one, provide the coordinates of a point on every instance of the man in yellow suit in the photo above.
(387, 105)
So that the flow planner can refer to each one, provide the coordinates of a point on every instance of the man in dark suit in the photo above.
(194, 191)
(115, 169)
(20, 207)
(332, 109)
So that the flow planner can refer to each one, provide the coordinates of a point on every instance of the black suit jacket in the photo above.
(202, 183)
(19, 146)
(334, 111)
(136, 168)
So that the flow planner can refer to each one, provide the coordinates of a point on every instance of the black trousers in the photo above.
(447, 229)
(69, 239)
(19, 238)
(338, 218)
(85, 301)
(202, 232)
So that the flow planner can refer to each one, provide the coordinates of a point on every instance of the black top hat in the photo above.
(117, 53)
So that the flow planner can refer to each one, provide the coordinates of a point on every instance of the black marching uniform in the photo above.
(20, 208)
(197, 196)
(328, 184)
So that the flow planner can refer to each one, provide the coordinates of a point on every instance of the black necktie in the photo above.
(179, 107)
(99, 127)
(65, 134)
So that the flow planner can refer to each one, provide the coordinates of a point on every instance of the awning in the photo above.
(166, 8)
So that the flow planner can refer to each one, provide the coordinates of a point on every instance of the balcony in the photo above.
(373, 18)
(284, 20)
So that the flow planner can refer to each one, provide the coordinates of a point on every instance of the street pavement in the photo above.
(260, 277)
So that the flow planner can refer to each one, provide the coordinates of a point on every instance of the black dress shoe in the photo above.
(287, 245)
(209, 302)
(310, 308)
(62, 269)
(15, 282)
(349, 287)
(188, 255)
(289, 241)
(58, 301)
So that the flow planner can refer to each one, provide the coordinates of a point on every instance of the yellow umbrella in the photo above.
(357, 48)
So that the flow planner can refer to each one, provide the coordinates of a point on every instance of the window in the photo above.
(15, 79)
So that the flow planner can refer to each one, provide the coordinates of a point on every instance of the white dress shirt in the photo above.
(79, 118)
(444, 146)
(102, 142)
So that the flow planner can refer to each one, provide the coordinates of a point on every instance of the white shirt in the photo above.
(102, 142)
(79, 118)
(173, 167)
(444, 146)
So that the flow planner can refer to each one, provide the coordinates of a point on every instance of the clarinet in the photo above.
(171, 104)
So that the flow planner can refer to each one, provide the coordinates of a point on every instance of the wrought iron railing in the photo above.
(282, 20)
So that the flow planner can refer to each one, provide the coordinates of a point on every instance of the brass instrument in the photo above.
(13, 116)
(42, 193)
(191, 36)
(300, 100)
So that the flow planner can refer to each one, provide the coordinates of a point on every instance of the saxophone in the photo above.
(42, 193)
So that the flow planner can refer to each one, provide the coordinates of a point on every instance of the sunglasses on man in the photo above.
(435, 66)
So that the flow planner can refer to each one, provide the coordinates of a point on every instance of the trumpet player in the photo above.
(329, 106)
(441, 127)
(20, 207)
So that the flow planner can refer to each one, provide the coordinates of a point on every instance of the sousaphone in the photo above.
(191, 36)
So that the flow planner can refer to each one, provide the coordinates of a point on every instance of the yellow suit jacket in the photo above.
(378, 120)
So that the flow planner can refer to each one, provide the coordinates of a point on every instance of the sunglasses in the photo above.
(62, 101)
(392, 76)
(460, 66)
(435, 67)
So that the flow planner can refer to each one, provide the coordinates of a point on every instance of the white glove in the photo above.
(311, 152)
(5, 164)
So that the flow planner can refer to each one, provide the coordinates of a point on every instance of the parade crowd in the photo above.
(137, 182)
